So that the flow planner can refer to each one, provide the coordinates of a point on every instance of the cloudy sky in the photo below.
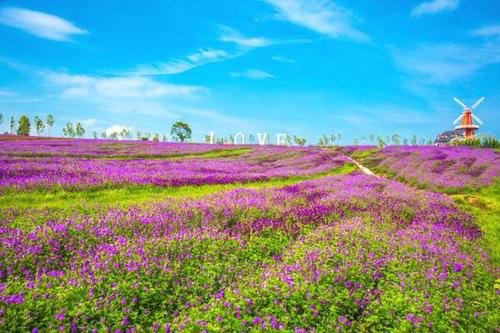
(304, 67)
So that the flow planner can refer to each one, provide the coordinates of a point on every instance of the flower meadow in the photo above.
(452, 169)
(259, 164)
(103, 148)
(342, 253)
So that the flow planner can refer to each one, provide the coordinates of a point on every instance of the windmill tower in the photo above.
(466, 118)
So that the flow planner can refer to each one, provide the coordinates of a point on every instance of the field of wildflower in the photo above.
(108, 236)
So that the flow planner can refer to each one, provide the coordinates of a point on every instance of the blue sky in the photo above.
(278, 66)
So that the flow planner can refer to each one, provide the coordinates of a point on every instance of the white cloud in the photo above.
(255, 74)
(492, 30)
(88, 122)
(434, 7)
(7, 93)
(208, 56)
(84, 86)
(445, 63)
(40, 24)
(283, 59)
(200, 58)
(117, 129)
(322, 16)
(230, 35)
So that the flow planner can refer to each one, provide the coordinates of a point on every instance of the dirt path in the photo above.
(363, 168)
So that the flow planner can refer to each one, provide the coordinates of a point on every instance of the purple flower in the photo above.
(457, 267)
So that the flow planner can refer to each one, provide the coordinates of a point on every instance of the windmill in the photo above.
(466, 117)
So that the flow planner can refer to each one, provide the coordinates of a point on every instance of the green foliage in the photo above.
(484, 205)
(68, 130)
(39, 125)
(299, 140)
(181, 131)
(1, 118)
(24, 126)
(414, 140)
(50, 122)
(381, 142)
(487, 141)
(12, 124)
(79, 130)
(490, 142)
(395, 139)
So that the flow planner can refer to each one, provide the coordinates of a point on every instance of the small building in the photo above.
(444, 138)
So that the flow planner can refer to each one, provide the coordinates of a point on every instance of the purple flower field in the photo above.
(263, 163)
(105, 148)
(346, 253)
(446, 168)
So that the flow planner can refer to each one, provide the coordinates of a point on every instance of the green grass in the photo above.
(135, 194)
(210, 154)
(484, 205)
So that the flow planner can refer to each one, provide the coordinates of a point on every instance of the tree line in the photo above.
(23, 126)
(180, 131)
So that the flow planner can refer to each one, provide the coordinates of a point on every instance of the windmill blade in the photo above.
(477, 103)
(456, 120)
(460, 102)
(477, 119)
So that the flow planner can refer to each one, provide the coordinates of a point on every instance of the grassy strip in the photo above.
(134, 194)
(210, 154)
(484, 205)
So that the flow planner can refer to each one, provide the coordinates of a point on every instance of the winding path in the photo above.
(363, 168)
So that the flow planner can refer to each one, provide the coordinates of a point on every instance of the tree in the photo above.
(405, 141)
(50, 122)
(372, 138)
(12, 124)
(79, 131)
(94, 133)
(395, 139)
(39, 125)
(24, 126)
(381, 142)
(1, 118)
(114, 136)
(181, 131)
(323, 141)
(299, 141)
(164, 138)
(68, 130)
(414, 140)
(355, 141)
(104, 135)
(138, 135)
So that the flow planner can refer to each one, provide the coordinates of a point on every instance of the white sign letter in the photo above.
(236, 138)
(282, 139)
(211, 135)
(262, 138)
